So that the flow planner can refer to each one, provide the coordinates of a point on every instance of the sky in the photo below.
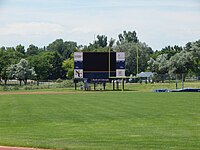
(158, 23)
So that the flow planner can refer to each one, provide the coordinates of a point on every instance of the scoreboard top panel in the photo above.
(99, 65)
(99, 62)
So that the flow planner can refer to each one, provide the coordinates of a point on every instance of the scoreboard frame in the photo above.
(99, 65)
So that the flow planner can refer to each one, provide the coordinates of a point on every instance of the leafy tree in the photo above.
(4, 75)
(111, 43)
(69, 48)
(101, 41)
(181, 63)
(151, 65)
(90, 47)
(194, 49)
(188, 46)
(8, 56)
(127, 37)
(2, 48)
(160, 66)
(99, 45)
(169, 50)
(56, 46)
(65, 49)
(13, 54)
(21, 71)
(32, 50)
(94, 48)
(128, 43)
(20, 49)
(144, 52)
(1, 62)
(131, 57)
(55, 65)
(68, 66)
(41, 65)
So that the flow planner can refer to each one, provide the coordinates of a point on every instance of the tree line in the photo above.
(176, 62)
(56, 60)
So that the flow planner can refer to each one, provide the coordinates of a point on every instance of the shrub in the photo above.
(16, 87)
(27, 88)
(68, 83)
(5, 88)
(59, 80)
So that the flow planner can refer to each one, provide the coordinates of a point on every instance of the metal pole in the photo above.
(109, 63)
(75, 85)
(113, 85)
(182, 81)
(123, 84)
(176, 82)
(117, 85)
(94, 86)
(104, 86)
(137, 58)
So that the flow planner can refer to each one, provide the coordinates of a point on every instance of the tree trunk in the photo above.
(38, 82)
(20, 82)
(183, 81)
(25, 81)
(176, 82)
(5, 81)
(162, 78)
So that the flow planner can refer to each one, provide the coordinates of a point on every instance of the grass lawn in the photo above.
(102, 120)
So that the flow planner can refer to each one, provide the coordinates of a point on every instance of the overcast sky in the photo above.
(159, 23)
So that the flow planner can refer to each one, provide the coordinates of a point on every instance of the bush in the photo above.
(68, 83)
(16, 88)
(28, 88)
(5, 88)
(59, 80)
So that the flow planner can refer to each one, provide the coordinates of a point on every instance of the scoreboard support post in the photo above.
(104, 86)
(117, 82)
(94, 86)
(75, 85)
(122, 84)
(113, 85)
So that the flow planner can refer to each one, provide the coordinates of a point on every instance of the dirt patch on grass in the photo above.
(36, 93)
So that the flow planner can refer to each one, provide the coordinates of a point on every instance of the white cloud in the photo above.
(31, 29)
(158, 23)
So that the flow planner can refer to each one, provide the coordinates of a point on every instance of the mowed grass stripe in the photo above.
(107, 120)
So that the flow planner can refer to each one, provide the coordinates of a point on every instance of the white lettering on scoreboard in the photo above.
(78, 73)
(120, 56)
(78, 56)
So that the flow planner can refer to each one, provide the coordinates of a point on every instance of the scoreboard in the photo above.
(99, 65)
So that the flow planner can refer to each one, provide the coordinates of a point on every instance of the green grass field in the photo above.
(102, 120)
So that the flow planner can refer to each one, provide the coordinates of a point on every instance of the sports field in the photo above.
(101, 120)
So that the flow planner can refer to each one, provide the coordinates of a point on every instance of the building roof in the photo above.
(145, 74)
